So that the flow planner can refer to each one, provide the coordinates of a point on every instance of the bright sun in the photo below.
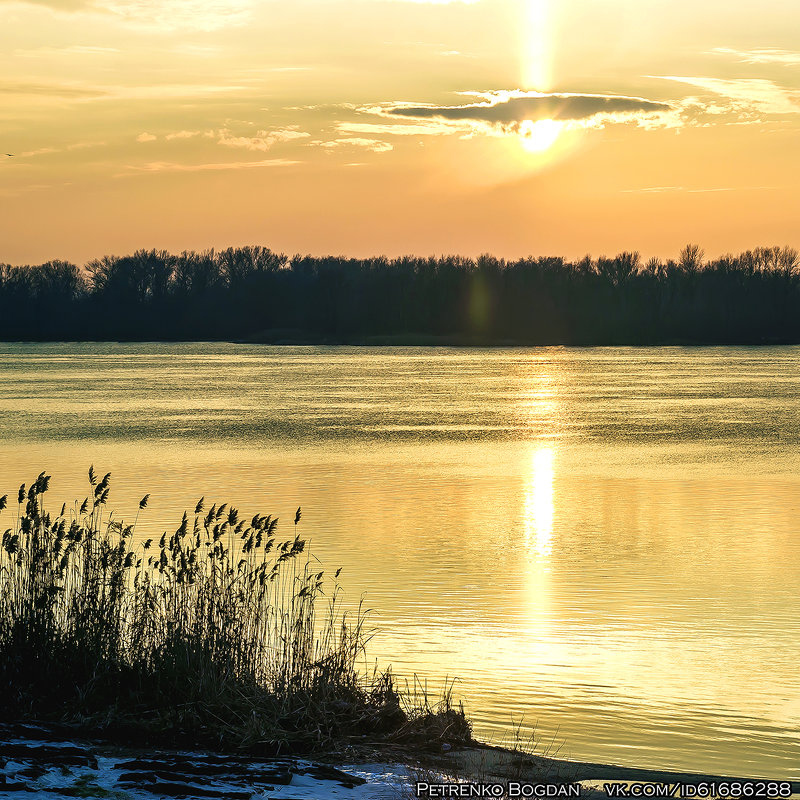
(536, 137)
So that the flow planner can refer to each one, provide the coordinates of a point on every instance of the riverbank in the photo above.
(40, 760)
(46, 761)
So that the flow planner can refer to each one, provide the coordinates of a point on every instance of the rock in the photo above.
(323, 772)
(13, 786)
(44, 754)
(56, 766)
(164, 789)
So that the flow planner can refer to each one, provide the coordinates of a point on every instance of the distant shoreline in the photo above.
(253, 294)
(461, 340)
(282, 338)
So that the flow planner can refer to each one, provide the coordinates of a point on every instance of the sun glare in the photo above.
(536, 137)
(536, 46)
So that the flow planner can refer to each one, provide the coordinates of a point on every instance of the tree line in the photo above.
(253, 293)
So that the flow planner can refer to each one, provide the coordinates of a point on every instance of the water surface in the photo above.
(602, 540)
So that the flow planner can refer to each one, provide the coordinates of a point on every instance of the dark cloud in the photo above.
(516, 109)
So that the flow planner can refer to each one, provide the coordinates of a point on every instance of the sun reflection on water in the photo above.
(539, 506)
(541, 647)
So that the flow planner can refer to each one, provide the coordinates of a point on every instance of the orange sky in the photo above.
(362, 127)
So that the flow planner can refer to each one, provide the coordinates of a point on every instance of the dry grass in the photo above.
(521, 757)
(208, 636)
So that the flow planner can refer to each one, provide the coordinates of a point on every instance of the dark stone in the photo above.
(13, 786)
(323, 772)
(189, 769)
(33, 772)
(137, 777)
(37, 732)
(186, 790)
(56, 756)
(198, 766)
(279, 776)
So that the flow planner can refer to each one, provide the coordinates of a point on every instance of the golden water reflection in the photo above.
(603, 539)
(539, 505)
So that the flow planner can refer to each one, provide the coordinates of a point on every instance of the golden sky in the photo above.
(362, 127)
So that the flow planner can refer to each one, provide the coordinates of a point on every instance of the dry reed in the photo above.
(209, 635)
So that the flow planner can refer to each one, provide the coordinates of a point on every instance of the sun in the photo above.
(536, 137)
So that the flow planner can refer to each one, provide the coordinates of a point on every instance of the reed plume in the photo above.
(212, 634)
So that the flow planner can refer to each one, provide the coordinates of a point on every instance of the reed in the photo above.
(209, 636)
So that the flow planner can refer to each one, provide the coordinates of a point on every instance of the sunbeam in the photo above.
(536, 56)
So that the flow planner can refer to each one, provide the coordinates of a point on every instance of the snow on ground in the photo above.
(35, 764)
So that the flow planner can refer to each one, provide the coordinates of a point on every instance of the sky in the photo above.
(367, 127)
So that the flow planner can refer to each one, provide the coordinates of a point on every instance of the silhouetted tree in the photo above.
(255, 293)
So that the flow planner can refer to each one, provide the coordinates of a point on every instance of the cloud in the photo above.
(170, 166)
(745, 93)
(263, 140)
(511, 112)
(79, 50)
(394, 129)
(165, 15)
(33, 187)
(46, 151)
(169, 15)
(368, 144)
(42, 151)
(84, 145)
(509, 109)
(88, 93)
(434, 2)
(182, 135)
(69, 91)
(767, 55)
(246, 142)
(502, 113)
(167, 91)
(56, 5)
(661, 189)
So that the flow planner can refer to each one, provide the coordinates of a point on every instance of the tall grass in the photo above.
(209, 634)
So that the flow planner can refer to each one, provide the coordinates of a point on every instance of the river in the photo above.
(600, 542)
